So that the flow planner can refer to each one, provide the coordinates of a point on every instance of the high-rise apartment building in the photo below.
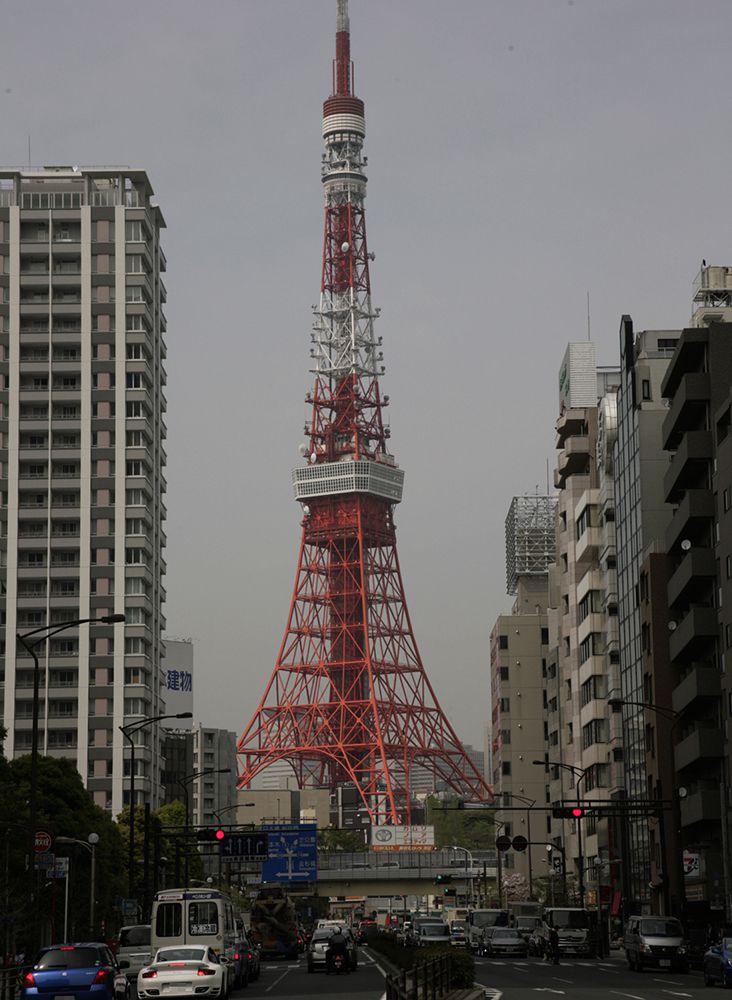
(519, 647)
(82, 452)
(582, 747)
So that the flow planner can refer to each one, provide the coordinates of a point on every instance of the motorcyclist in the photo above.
(337, 945)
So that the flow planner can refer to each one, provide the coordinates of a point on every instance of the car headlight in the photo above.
(682, 950)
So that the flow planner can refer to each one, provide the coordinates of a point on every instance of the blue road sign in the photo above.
(246, 846)
(293, 852)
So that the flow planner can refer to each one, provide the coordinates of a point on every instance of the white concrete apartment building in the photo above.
(583, 750)
(82, 458)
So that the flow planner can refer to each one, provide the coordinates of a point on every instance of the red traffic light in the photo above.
(219, 834)
(578, 812)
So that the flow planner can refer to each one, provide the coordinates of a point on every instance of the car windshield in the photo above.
(661, 928)
(727, 944)
(323, 934)
(69, 958)
(457, 926)
(436, 930)
(130, 937)
(181, 955)
(569, 918)
(499, 934)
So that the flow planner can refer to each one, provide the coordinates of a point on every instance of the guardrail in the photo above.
(10, 982)
(426, 981)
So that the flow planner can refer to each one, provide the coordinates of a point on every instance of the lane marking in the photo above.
(633, 996)
(491, 992)
(673, 982)
(558, 980)
(675, 994)
(277, 980)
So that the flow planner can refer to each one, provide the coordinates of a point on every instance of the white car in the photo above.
(184, 971)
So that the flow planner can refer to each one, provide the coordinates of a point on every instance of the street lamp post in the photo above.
(468, 874)
(184, 782)
(39, 636)
(128, 732)
(90, 844)
(579, 773)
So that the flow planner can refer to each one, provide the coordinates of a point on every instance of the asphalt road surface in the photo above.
(502, 979)
(584, 979)
(291, 979)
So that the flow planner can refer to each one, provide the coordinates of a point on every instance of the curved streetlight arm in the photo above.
(127, 732)
(51, 631)
(666, 713)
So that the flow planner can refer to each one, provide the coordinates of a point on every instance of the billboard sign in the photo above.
(403, 838)
(692, 865)
(293, 852)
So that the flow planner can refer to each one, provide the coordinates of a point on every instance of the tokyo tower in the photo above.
(349, 702)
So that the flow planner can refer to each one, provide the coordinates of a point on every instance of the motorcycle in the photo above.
(337, 964)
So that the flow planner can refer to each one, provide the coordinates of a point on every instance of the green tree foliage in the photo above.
(334, 839)
(471, 828)
(65, 809)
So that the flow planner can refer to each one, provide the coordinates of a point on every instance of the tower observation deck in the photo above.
(348, 701)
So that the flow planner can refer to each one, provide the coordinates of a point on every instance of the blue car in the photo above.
(718, 963)
(86, 971)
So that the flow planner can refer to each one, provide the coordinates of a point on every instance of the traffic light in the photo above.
(449, 892)
(443, 879)
(570, 812)
(213, 834)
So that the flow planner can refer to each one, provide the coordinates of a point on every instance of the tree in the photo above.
(471, 828)
(334, 839)
(66, 809)
(515, 887)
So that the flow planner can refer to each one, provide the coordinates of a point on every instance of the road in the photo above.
(291, 979)
(526, 979)
(577, 979)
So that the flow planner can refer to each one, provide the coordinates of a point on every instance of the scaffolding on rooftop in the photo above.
(530, 539)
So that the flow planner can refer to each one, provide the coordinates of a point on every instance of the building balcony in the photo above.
(588, 546)
(696, 508)
(687, 408)
(701, 682)
(702, 806)
(695, 631)
(702, 745)
(571, 423)
(692, 577)
(687, 465)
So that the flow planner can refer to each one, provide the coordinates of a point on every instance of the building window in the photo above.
(725, 499)
(505, 704)
(646, 388)
(544, 641)
(506, 767)
(503, 642)
(503, 673)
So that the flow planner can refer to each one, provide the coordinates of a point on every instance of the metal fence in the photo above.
(426, 981)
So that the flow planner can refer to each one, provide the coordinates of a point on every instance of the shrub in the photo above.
(462, 963)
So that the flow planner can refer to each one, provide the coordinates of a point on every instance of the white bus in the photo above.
(195, 916)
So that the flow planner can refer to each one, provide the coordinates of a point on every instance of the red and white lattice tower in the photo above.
(349, 701)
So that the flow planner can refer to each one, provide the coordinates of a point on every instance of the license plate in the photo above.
(65, 996)
(665, 963)
(171, 987)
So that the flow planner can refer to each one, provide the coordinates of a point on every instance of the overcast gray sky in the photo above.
(521, 153)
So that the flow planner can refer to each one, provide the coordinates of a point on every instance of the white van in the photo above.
(134, 951)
